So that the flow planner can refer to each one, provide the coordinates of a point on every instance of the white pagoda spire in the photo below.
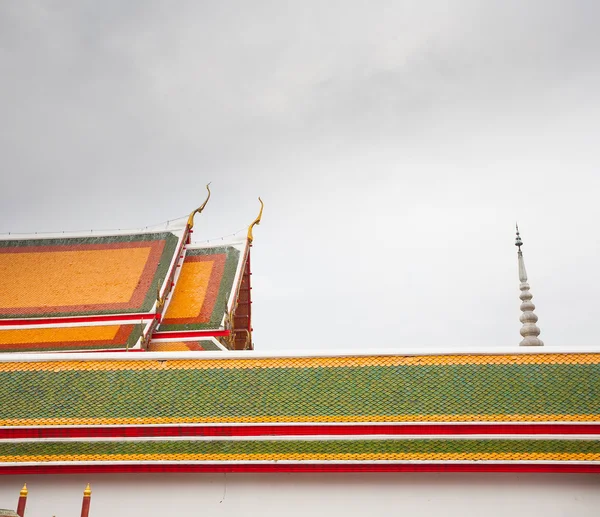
(530, 331)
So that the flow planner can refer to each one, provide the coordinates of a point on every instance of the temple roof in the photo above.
(85, 275)
(188, 402)
(123, 290)
(205, 282)
(235, 411)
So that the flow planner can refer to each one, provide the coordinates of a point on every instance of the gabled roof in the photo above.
(515, 411)
(96, 291)
(122, 289)
(205, 282)
(208, 297)
(85, 275)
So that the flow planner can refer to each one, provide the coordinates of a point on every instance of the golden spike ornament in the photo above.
(160, 301)
(256, 221)
(88, 491)
(190, 221)
(24, 491)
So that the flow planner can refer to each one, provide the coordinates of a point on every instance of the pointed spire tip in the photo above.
(529, 331)
(518, 241)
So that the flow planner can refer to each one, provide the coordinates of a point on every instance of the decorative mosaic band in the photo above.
(302, 450)
(83, 276)
(299, 467)
(202, 289)
(500, 388)
(547, 430)
(183, 346)
(98, 337)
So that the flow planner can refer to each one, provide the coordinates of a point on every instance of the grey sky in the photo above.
(394, 144)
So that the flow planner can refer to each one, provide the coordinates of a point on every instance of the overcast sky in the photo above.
(394, 144)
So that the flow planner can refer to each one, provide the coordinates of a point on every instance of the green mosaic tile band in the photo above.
(209, 345)
(302, 447)
(199, 392)
(91, 239)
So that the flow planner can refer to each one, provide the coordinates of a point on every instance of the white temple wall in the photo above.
(314, 495)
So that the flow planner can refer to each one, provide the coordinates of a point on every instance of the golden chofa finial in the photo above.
(256, 221)
(88, 491)
(24, 491)
(160, 300)
(190, 221)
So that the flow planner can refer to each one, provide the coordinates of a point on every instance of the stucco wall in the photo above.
(311, 495)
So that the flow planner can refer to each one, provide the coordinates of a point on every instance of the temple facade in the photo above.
(127, 361)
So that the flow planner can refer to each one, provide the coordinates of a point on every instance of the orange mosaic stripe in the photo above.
(174, 346)
(478, 456)
(56, 335)
(301, 362)
(109, 336)
(266, 419)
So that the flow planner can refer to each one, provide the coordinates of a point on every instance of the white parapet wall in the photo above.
(314, 495)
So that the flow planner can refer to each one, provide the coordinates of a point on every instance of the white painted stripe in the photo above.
(298, 462)
(237, 279)
(320, 424)
(166, 281)
(178, 261)
(173, 226)
(253, 354)
(58, 324)
(308, 438)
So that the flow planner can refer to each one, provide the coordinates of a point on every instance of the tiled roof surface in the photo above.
(539, 387)
(86, 337)
(183, 346)
(202, 290)
(324, 450)
(84, 275)
(289, 413)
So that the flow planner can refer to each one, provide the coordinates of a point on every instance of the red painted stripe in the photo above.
(79, 319)
(105, 350)
(191, 334)
(298, 430)
(555, 468)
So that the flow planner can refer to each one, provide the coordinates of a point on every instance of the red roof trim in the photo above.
(556, 468)
(190, 334)
(298, 430)
(146, 316)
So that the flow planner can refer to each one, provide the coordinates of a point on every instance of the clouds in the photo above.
(393, 142)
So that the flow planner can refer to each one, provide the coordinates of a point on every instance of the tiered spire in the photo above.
(530, 331)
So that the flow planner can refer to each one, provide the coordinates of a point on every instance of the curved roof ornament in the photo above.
(190, 221)
(530, 331)
(256, 221)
